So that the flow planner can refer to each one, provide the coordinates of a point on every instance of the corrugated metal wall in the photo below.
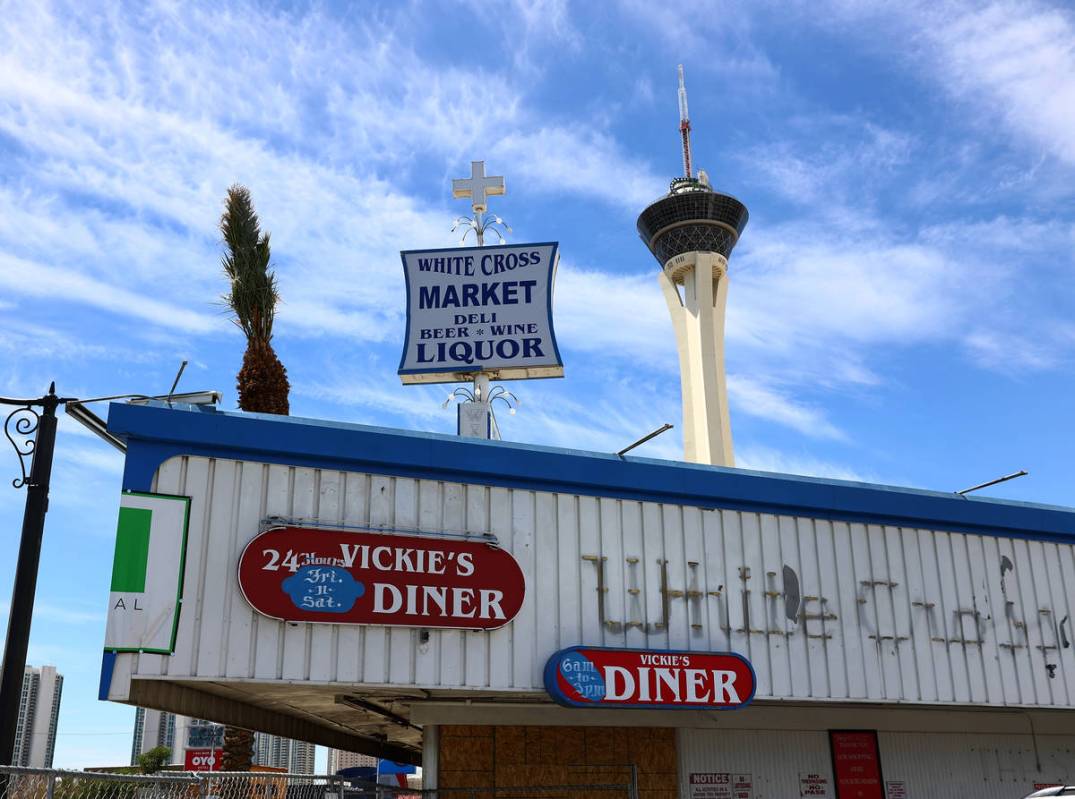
(822, 609)
(932, 765)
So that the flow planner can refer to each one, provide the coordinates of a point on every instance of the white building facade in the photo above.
(276, 751)
(154, 728)
(39, 714)
(926, 635)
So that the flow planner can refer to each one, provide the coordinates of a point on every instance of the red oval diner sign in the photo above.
(588, 676)
(346, 577)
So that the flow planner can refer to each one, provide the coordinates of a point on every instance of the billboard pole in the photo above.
(23, 421)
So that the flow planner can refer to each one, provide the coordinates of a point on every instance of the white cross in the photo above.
(478, 187)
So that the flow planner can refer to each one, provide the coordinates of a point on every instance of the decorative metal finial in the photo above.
(479, 187)
(464, 394)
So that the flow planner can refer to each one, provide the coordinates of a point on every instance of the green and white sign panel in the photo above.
(147, 573)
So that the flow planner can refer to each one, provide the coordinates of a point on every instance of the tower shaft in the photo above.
(697, 311)
(692, 231)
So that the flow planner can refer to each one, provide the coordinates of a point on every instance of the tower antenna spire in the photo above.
(684, 124)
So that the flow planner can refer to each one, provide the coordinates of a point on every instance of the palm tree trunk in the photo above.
(238, 749)
(263, 388)
(262, 381)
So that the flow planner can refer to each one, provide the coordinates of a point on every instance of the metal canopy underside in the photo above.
(373, 721)
(329, 715)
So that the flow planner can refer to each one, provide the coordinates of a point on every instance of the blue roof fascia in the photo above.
(155, 432)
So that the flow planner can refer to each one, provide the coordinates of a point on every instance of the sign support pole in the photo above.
(25, 420)
(475, 416)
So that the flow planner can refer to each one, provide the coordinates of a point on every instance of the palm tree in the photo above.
(262, 381)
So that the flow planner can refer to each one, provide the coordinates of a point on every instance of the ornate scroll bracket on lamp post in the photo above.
(35, 417)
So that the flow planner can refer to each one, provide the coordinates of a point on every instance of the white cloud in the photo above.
(1007, 61)
(619, 315)
(328, 125)
(418, 406)
(753, 398)
(766, 459)
(323, 123)
(1009, 351)
(826, 161)
(1017, 58)
(567, 160)
(39, 280)
(713, 35)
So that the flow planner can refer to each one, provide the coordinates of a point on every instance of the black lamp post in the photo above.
(30, 416)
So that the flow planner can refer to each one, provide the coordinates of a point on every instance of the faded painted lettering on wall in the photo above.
(824, 609)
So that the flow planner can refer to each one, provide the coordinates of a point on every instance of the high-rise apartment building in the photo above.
(153, 728)
(338, 759)
(39, 712)
(278, 752)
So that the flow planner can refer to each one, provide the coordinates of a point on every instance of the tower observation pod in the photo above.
(691, 231)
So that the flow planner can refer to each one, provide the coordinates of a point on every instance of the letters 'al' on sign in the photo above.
(147, 573)
(642, 678)
(480, 309)
(301, 574)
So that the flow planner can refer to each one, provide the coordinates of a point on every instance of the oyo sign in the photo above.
(642, 678)
(301, 574)
(203, 760)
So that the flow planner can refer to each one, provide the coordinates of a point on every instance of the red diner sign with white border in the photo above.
(303, 574)
(856, 764)
(586, 676)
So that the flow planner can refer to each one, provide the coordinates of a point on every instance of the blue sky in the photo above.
(900, 307)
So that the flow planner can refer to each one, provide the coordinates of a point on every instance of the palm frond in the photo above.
(253, 295)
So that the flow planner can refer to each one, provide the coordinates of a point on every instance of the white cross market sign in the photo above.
(480, 309)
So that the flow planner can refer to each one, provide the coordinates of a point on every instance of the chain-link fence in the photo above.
(31, 783)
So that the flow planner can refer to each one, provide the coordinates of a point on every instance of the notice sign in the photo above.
(813, 784)
(710, 785)
(480, 309)
(147, 573)
(895, 789)
(346, 577)
(856, 764)
(592, 677)
(742, 786)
